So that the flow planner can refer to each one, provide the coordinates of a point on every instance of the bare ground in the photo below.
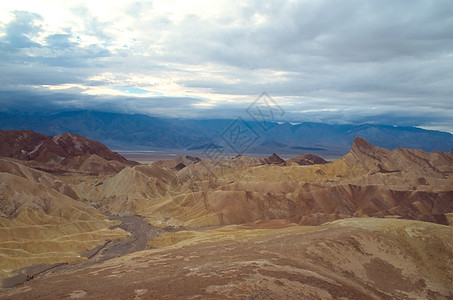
(140, 231)
(351, 259)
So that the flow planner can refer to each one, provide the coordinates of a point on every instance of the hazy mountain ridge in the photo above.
(122, 131)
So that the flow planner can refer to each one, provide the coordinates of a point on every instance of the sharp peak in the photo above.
(274, 158)
(274, 155)
(360, 143)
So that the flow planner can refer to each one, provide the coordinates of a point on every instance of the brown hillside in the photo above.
(347, 259)
(61, 153)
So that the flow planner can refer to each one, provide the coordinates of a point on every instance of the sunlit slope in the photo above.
(16, 167)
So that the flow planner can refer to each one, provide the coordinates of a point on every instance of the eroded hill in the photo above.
(42, 221)
(368, 181)
(63, 153)
(263, 219)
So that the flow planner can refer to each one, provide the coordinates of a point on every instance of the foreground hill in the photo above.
(346, 259)
(61, 153)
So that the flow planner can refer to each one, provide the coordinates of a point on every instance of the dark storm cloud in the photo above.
(183, 107)
(73, 99)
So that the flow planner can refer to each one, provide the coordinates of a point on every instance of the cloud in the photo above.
(375, 61)
(59, 41)
(17, 34)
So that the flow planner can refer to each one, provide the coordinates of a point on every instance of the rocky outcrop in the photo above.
(273, 159)
(307, 159)
(178, 167)
(376, 159)
(178, 163)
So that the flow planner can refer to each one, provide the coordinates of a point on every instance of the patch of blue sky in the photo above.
(132, 90)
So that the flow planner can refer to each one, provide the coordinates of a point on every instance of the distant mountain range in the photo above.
(142, 132)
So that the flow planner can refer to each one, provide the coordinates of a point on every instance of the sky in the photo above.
(382, 62)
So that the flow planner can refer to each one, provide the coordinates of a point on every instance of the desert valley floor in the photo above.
(78, 221)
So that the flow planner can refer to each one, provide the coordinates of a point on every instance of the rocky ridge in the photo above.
(63, 153)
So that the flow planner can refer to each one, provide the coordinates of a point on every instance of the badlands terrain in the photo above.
(80, 221)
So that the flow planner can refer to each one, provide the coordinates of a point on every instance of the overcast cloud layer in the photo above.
(388, 62)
